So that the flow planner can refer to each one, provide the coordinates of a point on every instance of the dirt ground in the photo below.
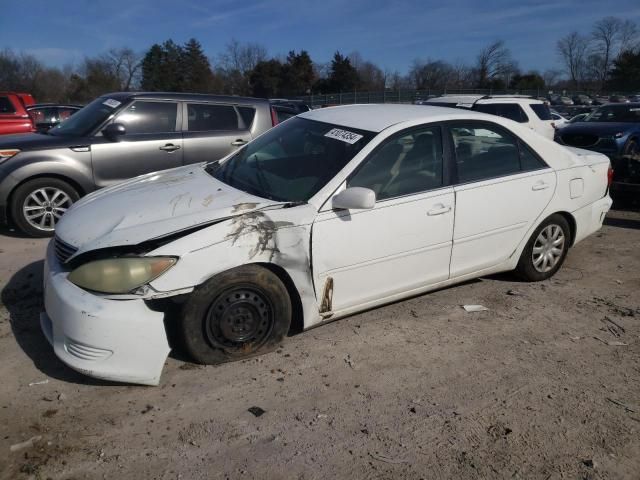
(545, 384)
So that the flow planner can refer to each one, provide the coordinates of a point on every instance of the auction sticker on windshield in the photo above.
(110, 102)
(343, 135)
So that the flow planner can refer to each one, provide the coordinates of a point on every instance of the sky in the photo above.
(390, 33)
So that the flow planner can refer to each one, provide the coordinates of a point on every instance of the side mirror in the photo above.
(113, 131)
(354, 198)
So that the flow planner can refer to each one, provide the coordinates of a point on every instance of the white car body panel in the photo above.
(402, 247)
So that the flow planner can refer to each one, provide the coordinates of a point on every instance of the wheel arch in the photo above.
(570, 220)
(297, 312)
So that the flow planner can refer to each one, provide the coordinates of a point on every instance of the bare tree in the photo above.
(629, 37)
(493, 62)
(126, 66)
(573, 51)
(551, 77)
(605, 36)
(242, 57)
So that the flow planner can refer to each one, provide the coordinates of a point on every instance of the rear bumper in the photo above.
(590, 217)
(118, 340)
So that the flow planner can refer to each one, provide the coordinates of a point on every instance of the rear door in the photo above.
(213, 130)
(152, 142)
(502, 187)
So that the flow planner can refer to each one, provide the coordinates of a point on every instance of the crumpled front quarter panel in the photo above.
(278, 236)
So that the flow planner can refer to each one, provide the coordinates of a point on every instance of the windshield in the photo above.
(615, 113)
(293, 161)
(87, 119)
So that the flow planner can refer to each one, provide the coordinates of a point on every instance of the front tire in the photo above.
(546, 250)
(38, 204)
(237, 314)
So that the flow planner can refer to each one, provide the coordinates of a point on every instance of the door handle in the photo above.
(540, 186)
(239, 142)
(439, 210)
(170, 147)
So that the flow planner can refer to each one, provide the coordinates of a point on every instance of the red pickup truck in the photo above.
(13, 115)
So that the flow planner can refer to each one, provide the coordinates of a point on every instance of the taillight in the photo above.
(609, 176)
(274, 117)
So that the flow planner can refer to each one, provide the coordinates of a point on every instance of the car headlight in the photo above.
(120, 275)
(8, 153)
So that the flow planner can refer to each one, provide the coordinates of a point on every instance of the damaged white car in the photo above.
(330, 213)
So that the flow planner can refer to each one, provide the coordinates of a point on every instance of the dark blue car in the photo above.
(614, 130)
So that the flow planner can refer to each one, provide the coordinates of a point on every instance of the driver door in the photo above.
(404, 242)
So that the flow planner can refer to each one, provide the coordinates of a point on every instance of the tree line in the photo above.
(605, 58)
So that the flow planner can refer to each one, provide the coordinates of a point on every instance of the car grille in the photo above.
(579, 139)
(63, 250)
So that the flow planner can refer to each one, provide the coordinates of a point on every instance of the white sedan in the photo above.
(330, 213)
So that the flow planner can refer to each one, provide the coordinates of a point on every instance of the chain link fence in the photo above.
(412, 96)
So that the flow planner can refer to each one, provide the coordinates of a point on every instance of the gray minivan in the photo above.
(116, 137)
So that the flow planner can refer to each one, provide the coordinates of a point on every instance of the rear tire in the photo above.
(38, 204)
(546, 250)
(237, 314)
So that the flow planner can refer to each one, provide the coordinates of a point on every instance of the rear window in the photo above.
(6, 106)
(512, 111)
(541, 110)
(207, 118)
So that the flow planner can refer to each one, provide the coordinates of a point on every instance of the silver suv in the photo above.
(116, 137)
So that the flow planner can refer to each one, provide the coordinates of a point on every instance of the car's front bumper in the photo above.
(118, 340)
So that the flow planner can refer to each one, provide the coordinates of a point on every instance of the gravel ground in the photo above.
(545, 384)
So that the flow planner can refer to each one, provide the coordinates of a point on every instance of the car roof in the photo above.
(42, 105)
(198, 97)
(377, 117)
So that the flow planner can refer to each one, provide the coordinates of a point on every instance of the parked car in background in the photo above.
(599, 100)
(283, 112)
(582, 100)
(578, 118)
(618, 99)
(332, 212)
(558, 120)
(634, 98)
(560, 100)
(13, 114)
(47, 115)
(116, 137)
(614, 130)
(297, 105)
(528, 111)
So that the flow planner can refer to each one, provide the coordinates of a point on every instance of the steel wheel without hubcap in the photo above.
(44, 207)
(239, 319)
(548, 248)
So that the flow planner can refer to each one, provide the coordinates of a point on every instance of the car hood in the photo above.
(39, 141)
(152, 206)
(597, 128)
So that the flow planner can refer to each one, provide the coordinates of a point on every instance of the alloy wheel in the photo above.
(45, 206)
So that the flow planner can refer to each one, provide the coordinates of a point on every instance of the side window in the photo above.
(512, 111)
(529, 160)
(206, 118)
(149, 117)
(406, 164)
(6, 106)
(247, 114)
(484, 151)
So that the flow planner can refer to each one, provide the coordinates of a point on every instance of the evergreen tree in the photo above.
(266, 78)
(625, 75)
(343, 76)
(198, 76)
(297, 74)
